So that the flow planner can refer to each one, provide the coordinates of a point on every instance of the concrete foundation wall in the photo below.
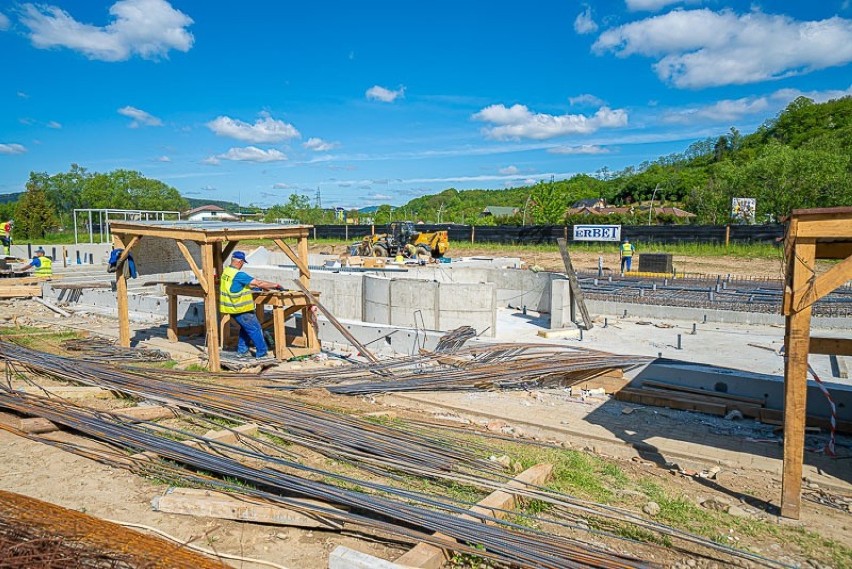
(435, 305)
(99, 252)
(612, 308)
(739, 382)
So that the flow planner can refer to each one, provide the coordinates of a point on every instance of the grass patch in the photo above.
(33, 337)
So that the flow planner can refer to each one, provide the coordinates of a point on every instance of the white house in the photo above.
(209, 213)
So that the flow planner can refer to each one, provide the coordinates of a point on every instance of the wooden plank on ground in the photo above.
(20, 291)
(644, 397)
(229, 436)
(211, 504)
(611, 381)
(426, 556)
(576, 292)
(685, 389)
(38, 425)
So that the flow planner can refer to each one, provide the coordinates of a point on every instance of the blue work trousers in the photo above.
(626, 262)
(250, 330)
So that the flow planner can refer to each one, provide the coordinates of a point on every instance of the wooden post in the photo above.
(304, 274)
(121, 297)
(796, 376)
(211, 306)
(577, 297)
(472, 233)
(727, 235)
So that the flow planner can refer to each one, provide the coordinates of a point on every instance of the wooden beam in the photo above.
(576, 292)
(211, 310)
(218, 260)
(229, 248)
(833, 227)
(831, 346)
(301, 263)
(126, 253)
(207, 503)
(302, 246)
(427, 556)
(822, 285)
(121, 297)
(199, 274)
(797, 343)
(20, 291)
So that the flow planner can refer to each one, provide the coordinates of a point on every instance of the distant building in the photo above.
(209, 213)
(628, 210)
(499, 211)
(595, 203)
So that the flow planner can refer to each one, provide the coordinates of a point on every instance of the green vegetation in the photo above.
(799, 159)
(49, 200)
(33, 337)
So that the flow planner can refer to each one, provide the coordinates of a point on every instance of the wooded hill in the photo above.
(799, 159)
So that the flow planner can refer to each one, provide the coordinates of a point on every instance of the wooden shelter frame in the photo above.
(812, 234)
(217, 241)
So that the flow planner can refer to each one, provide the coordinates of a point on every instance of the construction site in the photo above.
(488, 411)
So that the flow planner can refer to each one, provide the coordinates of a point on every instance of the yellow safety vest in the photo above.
(234, 302)
(46, 266)
(627, 250)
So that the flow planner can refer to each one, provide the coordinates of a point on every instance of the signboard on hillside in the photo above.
(742, 210)
(597, 233)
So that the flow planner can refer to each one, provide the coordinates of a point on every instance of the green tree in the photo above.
(548, 204)
(35, 215)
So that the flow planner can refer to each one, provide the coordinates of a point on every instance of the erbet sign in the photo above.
(597, 233)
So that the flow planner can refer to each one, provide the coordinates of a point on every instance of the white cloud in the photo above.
(140, 117)
(4, 22)
(730, 110)
(654, 5)
(518, 122)
(379, 93)
(319, 145)
(264, 129)
(585, 99)
(211, 161)
(147, 28)
(164, 159)
(380, 197)
(584, 24)
(702, 48)
(583, 149)
(248, 154)
(54, 124)
(12, 148)
(509, 170)
(23, 95)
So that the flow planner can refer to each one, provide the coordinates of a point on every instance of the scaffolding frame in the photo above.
(103, 218)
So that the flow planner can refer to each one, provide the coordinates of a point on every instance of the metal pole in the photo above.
(91, 236)
(76, 239)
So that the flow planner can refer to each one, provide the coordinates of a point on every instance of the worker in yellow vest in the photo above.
(236, 299)
(627, 251)
(42, 264)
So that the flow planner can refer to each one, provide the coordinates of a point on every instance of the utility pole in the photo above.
(440, 213)
(651, 208)
(318, 199)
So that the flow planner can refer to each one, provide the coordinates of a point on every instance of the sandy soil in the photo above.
(586, 261)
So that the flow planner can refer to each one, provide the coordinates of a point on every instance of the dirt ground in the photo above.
(50, 474)
(587, 261)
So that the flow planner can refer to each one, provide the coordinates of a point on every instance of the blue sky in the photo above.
(379, 102)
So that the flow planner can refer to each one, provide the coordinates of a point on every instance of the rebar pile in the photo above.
(102, 349)
(378, 448)
(496, 366)
(37, 534)
(717, 292)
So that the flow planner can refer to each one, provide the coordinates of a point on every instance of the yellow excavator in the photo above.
(404, 240)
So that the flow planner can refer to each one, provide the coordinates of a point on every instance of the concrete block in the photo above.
(377, 299)
(560, 304)
(342, 557)
(412, 299)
